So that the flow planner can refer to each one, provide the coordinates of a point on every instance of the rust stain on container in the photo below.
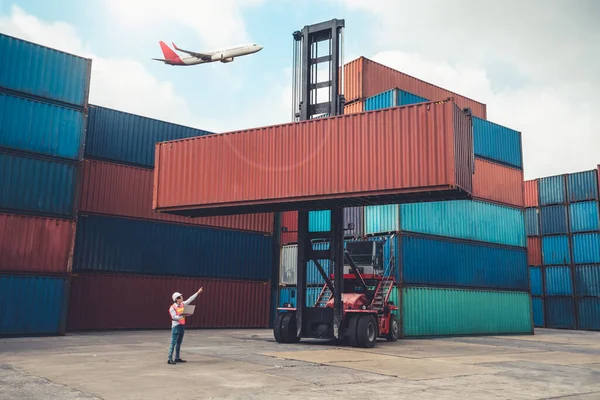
(498, 183)
(355, 107)
(122, 190)
(532, 197)
(289, 220)
(534, 251)
(416, 152)
(365, 78)
(222, 304)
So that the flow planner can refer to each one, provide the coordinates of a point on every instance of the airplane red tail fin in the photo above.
(168, 53)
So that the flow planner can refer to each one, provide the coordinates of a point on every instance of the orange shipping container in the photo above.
(356, 107)
(289, 221)
(377, 157)
(531, 193)
(365, 78)
(498, 183)
(534, 251)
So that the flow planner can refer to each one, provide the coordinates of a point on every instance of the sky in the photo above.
(535, 63)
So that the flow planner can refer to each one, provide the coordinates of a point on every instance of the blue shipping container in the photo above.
(44, 72)
(560, 312)
(427, 261)
(44, 128)
(552, 190)
(108, 244)
(555, 250)
(44, 298)
(319, 221)
(558, 281)
(582, 186)
(538, 312)
(554, 220)
(37, 186)
(392, 98)
(128, 138)
(535, 281)
(497, 143)
(587, 280)
(586, 248)
(290, 294)
(589, 313)
(584, 216)
(532, 222)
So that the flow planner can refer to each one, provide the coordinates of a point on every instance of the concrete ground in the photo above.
(249, 364)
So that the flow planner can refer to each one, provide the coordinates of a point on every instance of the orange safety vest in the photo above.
(179, 311)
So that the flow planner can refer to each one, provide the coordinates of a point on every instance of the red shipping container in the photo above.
(35, 244)
(116, 301)
(532, 198)
(289, 220)
(377, 157)
(365, 78)
(122, 190)
(356, 107)
(498, 183)
(534, 251)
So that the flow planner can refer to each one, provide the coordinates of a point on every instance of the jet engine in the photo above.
(227, 60)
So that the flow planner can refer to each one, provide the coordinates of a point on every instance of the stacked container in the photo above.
(563, 228)
(43, 106)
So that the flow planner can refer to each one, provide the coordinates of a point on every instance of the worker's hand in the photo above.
(200, 290)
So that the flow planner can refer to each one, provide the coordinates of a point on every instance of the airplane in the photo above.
(193, 58)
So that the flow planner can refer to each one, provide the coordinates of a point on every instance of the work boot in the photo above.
(171, 362)
(179, 360)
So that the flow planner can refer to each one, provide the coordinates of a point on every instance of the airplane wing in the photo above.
(201, 56)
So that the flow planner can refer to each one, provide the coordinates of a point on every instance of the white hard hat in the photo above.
(176, 295)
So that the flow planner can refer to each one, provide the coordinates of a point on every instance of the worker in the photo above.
(177, 324)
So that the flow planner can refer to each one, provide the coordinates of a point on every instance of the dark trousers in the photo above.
(176, 339)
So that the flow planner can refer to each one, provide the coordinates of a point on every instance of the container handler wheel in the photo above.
(284, 329)
(367, 331)
(352, 327)
(394, 331)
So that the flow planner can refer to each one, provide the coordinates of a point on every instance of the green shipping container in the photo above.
(444, 312)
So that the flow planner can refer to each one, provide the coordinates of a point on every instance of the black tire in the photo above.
(288, 328)
(367, 331)
(277, 327)
(352, 327)
(394, 331)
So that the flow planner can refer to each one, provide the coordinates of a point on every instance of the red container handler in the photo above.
(419, 152)
(532, 198)
(108, 302)
(534, 251)
(498, 183)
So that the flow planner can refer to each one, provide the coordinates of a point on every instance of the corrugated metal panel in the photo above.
(37, 186)
(538, 312)
(122, 190)
(560, 312)
(122, 245)
(587, 280)
(37, 127)
(289, 221)
(353, 108)
(532, 195)
(427, 261)
(589, 313)
(289, 265)
(48, 73)
(584, 216)
(392, 98)
(129, 138)
(498, 143)
(558, 281)
(555, 250)
(35, 244)
(40, 301)
(382, 219)
(286, 162)
(582, 186)
(552, 190)
(586, 248)
(365, 78)
(532, 221)
(553, 220)
(535, 281)
(354, 216)
(289, 295)
(464, 219)
(434, 312)
(319, 221)
(222, 304)
(498, 183)
(534, 251)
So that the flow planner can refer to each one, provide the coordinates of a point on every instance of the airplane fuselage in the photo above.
(192, 58)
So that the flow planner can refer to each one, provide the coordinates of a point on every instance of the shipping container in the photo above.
(290, 294)
(535, 281)
(364, 78)
(109, 244)
(354, 221)
(552, 190)
(33, 126)
(532, 196)
(37, 186)
(556, 250)
(392, 98)
(582, 186)
(35, 244)
(429, 261)
(589, 313)
(497, 143)
(584, 216)
(538, 312)
(498, 183)
(289, 227)
(558, 281)
(355, 107)
(97, 300)
(288, 266)
(123, 190)
(286, 163)
(532, 221)
(128, 138)
(319, 221)
(45, 72)
(33, 305)
(587, 280)
(560, 312)
(586, 248)
(534, 251)
(553, 220)
(434, 312)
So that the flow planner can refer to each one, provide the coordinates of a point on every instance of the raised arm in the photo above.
(193, 297)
